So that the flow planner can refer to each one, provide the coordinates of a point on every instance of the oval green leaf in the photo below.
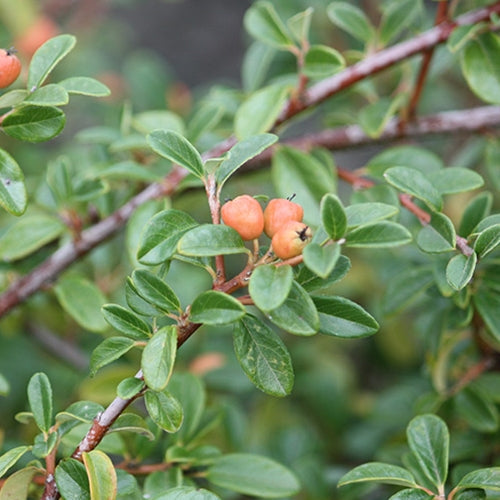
(351, 19)
(487, 303)
(378, 472)
(360, 214)
(487, 241)
(321, 260)
(126, 322)
(10, 458)
(460, 270)
(322, 61)
(101, 474)
(378, 235)
(40, 400)
(84, 85)
(109, 350)
(155, 291)
(454, 180)
(488, 479)
(215, 308)
(72, 480)
(438, 236)
(333, 216)
(164, 409)
(269, 286)
(48, 95)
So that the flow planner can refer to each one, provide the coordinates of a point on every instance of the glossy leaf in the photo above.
(378, 472)
(487, 303)
(454, 180)
(297, 314)
(333, 216)
(81, 411)
(488, 478)
(412, 494)
(396, 17)
(17, 485)
(264, 24)
(164, 410)
(136, 302)
(209, 240)
(109, 350)
(263, 356)
(13, 98)
(28, 235)
(360, 214)
(130, 422)
(341, 317)
(11, 457)
(414, 183)
(378, 235)
(322, 61)
(351, 19)
(480, 68)
(40, 401)
(101, 474)
(311, 282)
(158, 358)
(487, 241)
(48, 95)
(82, 300)
(153, 289)
(460, 270)
(253, 475)
(321, 260)
(259, 112)
(126, 322)
(34, 123)
(129, 387)
(477, 208)
(161, 235)
(429, 441)
(478, 411)
(215, 308)
(47, 57)
(240, 153)
(437, 236)
(84, 85)
(176, 148)
(72, 480)
(13, 197)
(270, 285)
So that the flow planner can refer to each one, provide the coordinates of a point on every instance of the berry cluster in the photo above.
(281, 221)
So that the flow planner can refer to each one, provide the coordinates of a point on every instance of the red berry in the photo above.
(291, 239)
(245, 215)
(278, 212)
(10, 67)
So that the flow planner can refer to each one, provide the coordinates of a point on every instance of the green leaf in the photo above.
(321, 260)
(260, 110)
(478, 411)
(373, 118)
(72, 480)
(136, 302)
(176, 148)
(311, 282)
(129, 387)
(437, 236)
(300, 24)
(270, 285)
(155, 291)
(405, 287)
(240, 153)
(48, 95)
(333, 216)
(360, 214)
(164, 410)
(4, 386)
(161, 235)
(397, 17)
(487, 241)
(17, 485)
(82, 300)
(488, 478)
(263, 356)
(149, 121)
(412, 494)
(126, 322)
(378, 472)
(130, 422)
(108, 351)
(411, 181)
(84, 85)
(187, 493)
(44, 444)
(477, 209)
(429, 441)
(253, 475)
(297, 314)
(40, 400)
(11, 457)
(462, 35)
(378, 235)
(47, 57)
(480, 68)
(352, 20)
(454, 180)
(129, 170)
(13, 197)
(341, 317)
(34, 123)
(81, 411)
(28, 235)
(264, 24)
(204, 120)
(460, 270)
(294, 171)
(487, 304)
(215, 308)
(13, 98)
(322, 61)
(209, 240)
(101, 474)
(158, 358)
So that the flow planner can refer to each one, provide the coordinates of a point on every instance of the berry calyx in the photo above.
(244, 214)
(10, 67)
(278, 212)
(291, 239)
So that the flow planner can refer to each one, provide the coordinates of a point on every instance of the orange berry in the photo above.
(10, 67)
(245, 215)
(291, 239)
(278, 212)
